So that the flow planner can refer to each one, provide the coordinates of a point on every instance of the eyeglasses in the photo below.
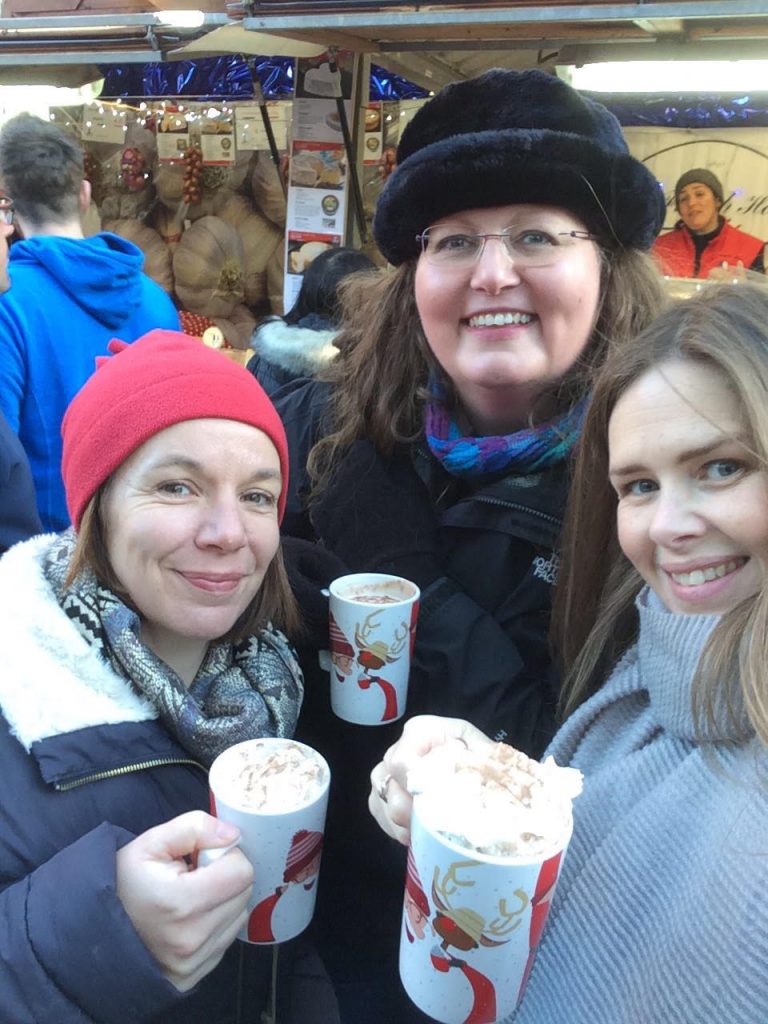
(6, 210)
(529, 247)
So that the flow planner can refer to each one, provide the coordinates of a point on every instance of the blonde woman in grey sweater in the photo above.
(660, 912)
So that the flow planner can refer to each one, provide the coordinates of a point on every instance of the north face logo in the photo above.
(546, 568)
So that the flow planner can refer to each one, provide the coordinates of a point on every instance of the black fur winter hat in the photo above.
(516, 137)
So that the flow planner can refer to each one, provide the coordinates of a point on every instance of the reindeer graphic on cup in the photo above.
(469, 935)
(460, 930)
(372, 620)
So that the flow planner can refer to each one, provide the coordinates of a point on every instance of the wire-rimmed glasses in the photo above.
(6, 210)
(445, 246)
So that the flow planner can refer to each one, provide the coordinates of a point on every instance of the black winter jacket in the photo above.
(18, 505)
(481, 653)
(302, 405)
(481, 642)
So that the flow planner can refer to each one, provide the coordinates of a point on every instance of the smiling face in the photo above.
(698, 207)
(693, 502)
(191, 526)
(503, 332)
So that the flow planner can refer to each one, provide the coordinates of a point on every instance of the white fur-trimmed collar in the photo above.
(52, 681)
(298, 350)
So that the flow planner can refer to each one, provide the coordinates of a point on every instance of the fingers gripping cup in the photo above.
(276, 792)
(488, 837)
(372, 632)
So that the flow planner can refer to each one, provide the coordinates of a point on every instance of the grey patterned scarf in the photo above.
(241, 691)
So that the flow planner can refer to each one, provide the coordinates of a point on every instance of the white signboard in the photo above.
(737, 156)
(251, 133)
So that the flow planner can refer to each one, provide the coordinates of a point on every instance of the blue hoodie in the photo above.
(69, 298)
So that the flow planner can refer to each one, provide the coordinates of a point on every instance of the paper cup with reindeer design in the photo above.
(472, 919)
(372, 632)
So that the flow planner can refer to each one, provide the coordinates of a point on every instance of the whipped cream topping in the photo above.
(495, 801)
(273, 779)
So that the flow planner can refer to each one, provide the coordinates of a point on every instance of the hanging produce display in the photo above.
(197, 189)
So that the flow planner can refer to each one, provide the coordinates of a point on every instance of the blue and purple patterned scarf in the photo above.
(526, 451)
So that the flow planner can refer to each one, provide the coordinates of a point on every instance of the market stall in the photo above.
(232, 172)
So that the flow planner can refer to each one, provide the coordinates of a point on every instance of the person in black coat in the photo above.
(18, 510)
(517, 223)
(301, 343)
(18, 504)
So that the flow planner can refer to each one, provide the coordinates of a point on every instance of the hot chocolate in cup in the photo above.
(372, 632)
(488, 836)
(374, 588)
(276, 791)
(270, 777)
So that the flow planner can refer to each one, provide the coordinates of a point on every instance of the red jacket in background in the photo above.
(676, 255)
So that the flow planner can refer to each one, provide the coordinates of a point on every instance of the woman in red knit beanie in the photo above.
(138, 645)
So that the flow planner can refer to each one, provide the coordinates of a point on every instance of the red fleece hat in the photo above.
(163, 378)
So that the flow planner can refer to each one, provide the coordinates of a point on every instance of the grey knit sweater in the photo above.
(661, 911)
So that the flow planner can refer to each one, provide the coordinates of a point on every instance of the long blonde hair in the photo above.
(594, 617)
(380, 383)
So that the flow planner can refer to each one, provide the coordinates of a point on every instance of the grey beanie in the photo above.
(510, 137)
(701, 176)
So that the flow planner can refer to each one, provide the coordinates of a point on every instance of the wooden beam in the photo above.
(660, 26)
(511, 32)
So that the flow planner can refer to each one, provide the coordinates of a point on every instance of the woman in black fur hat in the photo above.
(517, 223)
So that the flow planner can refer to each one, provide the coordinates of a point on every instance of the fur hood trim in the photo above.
(52, 681)
(299, 350)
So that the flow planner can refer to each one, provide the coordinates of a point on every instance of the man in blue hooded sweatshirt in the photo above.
(70, 296)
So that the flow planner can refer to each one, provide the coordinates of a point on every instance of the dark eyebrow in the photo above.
(689, 453)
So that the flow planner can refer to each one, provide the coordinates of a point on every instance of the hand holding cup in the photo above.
(390, 803)
(488, 832)
(187, 919)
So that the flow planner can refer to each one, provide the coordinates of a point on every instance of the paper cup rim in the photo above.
(372, 578)
(281, 741)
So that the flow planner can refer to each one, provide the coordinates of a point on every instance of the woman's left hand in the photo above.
(390, 802)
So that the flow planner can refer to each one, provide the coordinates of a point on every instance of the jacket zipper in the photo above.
(517, 508)
(64, 787)
(496, 501)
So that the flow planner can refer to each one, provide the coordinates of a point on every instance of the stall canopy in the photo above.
(427, 44)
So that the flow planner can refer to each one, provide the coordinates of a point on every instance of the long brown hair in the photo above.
(380, 380)
(273, 604)
(594, 618)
